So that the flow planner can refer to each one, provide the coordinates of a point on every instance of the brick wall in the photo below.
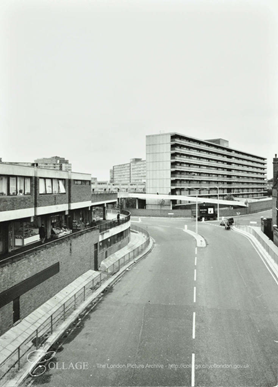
(75, 255)
(52, 199)
(11, 203)
(80, 193)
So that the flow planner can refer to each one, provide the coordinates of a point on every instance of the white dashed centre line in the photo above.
(194, 295)
(195, 274)
(195, 261)
(193, 325)
(193, 370)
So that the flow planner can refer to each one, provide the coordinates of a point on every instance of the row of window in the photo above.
(19, 185)
(51, 186)
(106, 243)
(82, 182)
(217, 149)
(15, 185)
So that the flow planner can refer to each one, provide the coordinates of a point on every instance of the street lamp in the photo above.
(197, 191)
(217, 201)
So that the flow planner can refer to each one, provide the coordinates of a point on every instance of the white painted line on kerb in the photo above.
(193, 370)
(193, 325)
(194, 297)
(195, 274)
(195, 261)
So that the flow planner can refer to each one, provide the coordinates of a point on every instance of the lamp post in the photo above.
(197, 190)
(197, 211)
(217, 201)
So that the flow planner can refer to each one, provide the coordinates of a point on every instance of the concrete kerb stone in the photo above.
(24, 372)
(267, 258)
(199, 239)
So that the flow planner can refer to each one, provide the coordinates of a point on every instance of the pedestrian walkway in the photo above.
(49, 321)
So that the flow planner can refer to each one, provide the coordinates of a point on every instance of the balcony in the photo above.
(213, 149)
(225, 160)
(211, 165)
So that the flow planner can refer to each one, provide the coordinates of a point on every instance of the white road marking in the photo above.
(193, 326)
(194, 298)
(195, 274)
(263, 259)
(193, 370)
(195, 261)
(196, 250)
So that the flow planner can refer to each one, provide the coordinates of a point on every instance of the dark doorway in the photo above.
(16, 310)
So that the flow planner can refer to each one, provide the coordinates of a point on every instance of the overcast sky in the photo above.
(88, 80)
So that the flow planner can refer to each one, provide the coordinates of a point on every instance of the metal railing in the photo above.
(116, 266)
(35, 340)
(19, 356)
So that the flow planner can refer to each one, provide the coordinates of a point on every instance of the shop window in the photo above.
(3, 185)
(13, 190)
(25, 233)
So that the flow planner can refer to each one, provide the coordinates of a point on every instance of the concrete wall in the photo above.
(275, 235)
(252, 208)
(162, 212)
(267, 244)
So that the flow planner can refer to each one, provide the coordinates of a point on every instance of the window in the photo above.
(3, 185)
(62, 186)
(42, 186)
(27, 186)
(55, 186)
(13, 190)
(48, 184)
(20, 185)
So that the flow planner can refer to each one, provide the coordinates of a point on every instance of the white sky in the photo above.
(88, 80)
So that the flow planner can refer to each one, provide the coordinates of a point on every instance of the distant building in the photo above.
(54, 162)
(108, 186)
(181, 165)
(133, 172)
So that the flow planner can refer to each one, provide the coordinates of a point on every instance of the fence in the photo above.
(15, 361)
(116, 266)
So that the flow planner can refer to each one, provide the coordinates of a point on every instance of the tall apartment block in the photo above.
(181, 165)
(129, 173)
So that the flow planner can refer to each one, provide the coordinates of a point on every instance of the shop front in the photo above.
(59, 225)
(25, 231)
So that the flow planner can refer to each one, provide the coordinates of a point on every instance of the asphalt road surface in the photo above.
(180, 317)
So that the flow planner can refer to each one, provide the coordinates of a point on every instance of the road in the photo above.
(181, 317)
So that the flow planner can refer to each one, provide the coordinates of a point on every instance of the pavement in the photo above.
(16, 336)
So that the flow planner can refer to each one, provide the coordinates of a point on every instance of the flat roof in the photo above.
(207, 143)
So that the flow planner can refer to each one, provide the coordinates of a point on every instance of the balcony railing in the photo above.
(211, 157)
(213, 149)
(103, 197)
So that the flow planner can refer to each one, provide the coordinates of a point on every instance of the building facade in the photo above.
(133, 172)
(54, 162)
(182, 165)
(32, 271)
